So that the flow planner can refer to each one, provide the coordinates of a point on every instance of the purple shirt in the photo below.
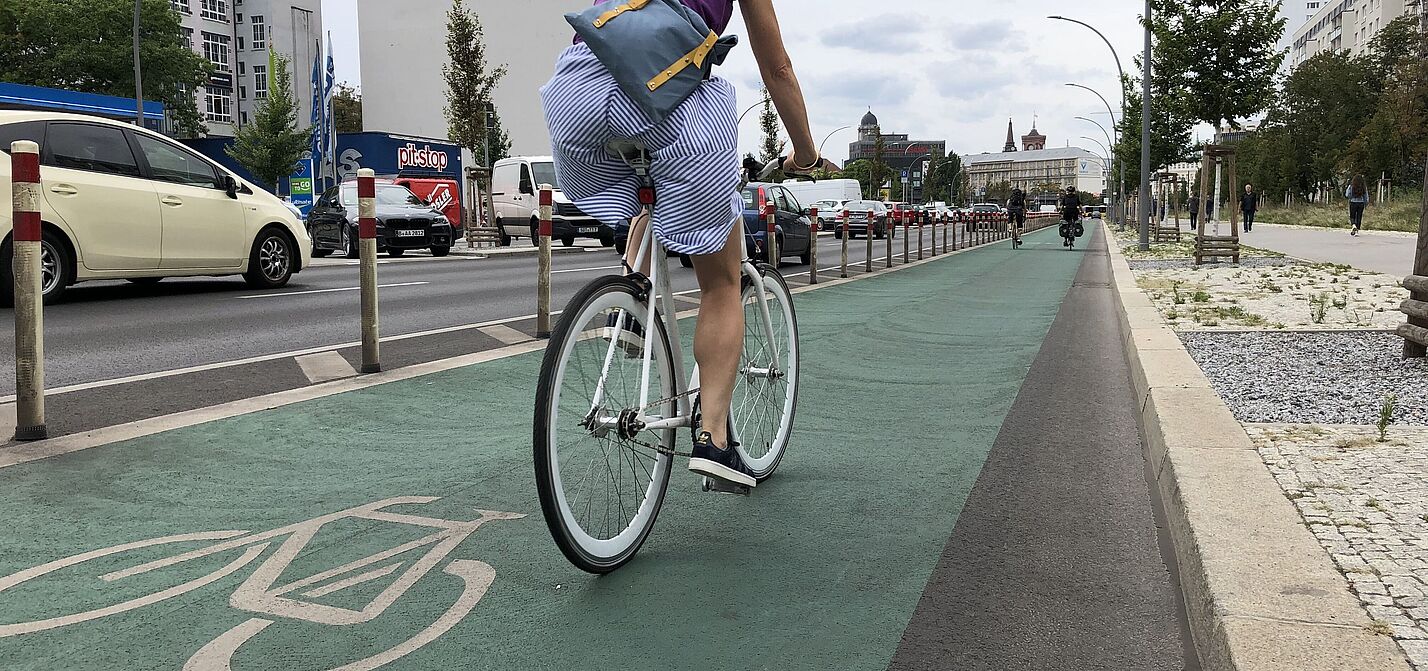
(716, 13)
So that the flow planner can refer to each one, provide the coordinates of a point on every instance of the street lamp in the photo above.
(1119, 164)
(1144, 214)
(1104, 152)
(138, 70)
(830, 135)
(906, 187)
(1103, 130)
(746, 112)
(1120, 84)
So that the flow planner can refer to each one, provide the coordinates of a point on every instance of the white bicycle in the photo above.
(614, 393)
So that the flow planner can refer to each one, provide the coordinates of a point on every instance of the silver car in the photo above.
(859, 212)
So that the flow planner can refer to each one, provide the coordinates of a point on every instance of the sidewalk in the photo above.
(1385, 252)
(907, 380)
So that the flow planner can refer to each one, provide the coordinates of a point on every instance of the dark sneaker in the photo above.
(725, 464)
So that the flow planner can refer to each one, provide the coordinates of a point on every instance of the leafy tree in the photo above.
(861, 170)
(769, 146)
(469, 82)
(998, 192)
(879, 169)
(87, 46)
(941, 176)
(347, 109)
(271, 145)
(1169, 137)
(1394, 140)
(1215, 60)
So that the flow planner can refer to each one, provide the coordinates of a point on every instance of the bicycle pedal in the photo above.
(722, 487)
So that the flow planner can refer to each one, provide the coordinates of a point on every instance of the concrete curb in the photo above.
(1260, 591)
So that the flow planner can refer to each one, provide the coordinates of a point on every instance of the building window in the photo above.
(242, 93)
(260, 33)
(181, 6)
(187, 37)
(219, 106)
(214, 9)
(260, 82)
(240, 43)
(215, 49)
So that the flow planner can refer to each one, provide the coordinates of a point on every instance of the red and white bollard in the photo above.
(29, 294)
(545, 229)
(921, 224)
(771, 234)
(896, 219)
(906, 234)
(872, 219)
(813, 245)
(367, 252)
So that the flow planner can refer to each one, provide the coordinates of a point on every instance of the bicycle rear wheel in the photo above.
(765, 398)
(601, 484)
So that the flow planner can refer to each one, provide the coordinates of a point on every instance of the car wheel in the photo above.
(55, 270)
(607, 241)
(567, 242)
(145, 281)
(320, 253)
(440, 251)
(501, 229)
(686, 261)
(806, 258)
(271, 264)
(396, 253)
(350, 248)
(838, 234)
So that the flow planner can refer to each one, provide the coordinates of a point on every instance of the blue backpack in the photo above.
(659, 51)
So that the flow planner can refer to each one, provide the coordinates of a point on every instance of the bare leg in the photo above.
(719, 335)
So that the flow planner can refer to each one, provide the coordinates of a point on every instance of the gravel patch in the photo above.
(1245, 262)
(1311, 378)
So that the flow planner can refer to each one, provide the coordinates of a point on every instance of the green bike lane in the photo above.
(907, 378)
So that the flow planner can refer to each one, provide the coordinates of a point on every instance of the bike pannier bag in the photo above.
(1080, 230)
(659, 51)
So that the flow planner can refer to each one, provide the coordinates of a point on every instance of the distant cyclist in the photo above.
(1071, 205)
(696, 171)
(1016, 208)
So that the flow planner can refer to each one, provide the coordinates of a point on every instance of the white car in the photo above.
(121, 202)
(829, 210)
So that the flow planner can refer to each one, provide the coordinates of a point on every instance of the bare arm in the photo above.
(777, 71)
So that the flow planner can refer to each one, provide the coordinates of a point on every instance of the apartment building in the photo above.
(1345, 25)
(235, 36)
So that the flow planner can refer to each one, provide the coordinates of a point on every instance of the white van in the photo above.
(513, 188)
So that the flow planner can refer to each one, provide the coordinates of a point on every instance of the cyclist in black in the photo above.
(1070, 215)
(1016, 208)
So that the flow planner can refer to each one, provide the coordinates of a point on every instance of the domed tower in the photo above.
(868, 128)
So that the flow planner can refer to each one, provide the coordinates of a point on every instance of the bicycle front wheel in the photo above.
(601, 481)
(766, 391)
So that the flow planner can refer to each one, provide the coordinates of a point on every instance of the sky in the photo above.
(932, 69)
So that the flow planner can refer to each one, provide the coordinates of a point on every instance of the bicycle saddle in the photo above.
(628, 150)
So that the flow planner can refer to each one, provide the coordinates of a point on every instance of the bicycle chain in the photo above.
(663, 450)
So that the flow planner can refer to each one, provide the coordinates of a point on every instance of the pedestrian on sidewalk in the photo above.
(1249, 204)
(1194, 205)
(1357, 193)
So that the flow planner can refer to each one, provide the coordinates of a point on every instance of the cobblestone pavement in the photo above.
(1367, 503)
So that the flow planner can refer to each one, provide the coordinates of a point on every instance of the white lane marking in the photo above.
(585, 270)
(330, 291)
(688, 299)
(325, 366)
(505, 334)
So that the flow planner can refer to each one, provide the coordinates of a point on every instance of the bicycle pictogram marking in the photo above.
(260, 594)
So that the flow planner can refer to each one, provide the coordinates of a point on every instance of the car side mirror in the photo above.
(231, 186)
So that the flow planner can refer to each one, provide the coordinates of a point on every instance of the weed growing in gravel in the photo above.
(1380, 628)
(1375, 504)
(1385, 416)
(1318, 307)
(1341, 303)
(1172, 315)
(1200, 297)
(1273, 288)
(1179, 300)
(1423, 517)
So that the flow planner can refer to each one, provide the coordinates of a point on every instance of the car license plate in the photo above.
(590, 229)
(411, 234)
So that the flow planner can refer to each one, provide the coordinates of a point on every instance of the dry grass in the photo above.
(1400, 215)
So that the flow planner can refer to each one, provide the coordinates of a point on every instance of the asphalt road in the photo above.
(108, 330)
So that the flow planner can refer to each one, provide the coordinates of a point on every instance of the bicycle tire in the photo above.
(585, 549)
(763, 409)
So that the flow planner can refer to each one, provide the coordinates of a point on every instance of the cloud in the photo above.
(982, 35)
(887, 34)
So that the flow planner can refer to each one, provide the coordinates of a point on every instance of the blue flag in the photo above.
(329, 126)
(319, 111)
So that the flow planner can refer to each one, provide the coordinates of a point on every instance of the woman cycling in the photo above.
(696, 171)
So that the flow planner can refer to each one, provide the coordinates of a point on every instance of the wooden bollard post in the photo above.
(546, 228)
(921, 224)
(844, 272)
(894, 220)
(771, 234)
(367, 253)
(29, 297)
(813, 246)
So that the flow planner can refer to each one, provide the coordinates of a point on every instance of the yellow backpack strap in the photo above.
(695, 57)
(621, 9)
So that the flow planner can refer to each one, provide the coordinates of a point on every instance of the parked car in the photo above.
(858, 219)
(404, 222)
(442, 193)
(828, 211)
(792, 226)
(513, 190)
(121, 202)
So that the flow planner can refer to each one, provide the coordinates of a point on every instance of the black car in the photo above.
(404, 222)
(793, 226)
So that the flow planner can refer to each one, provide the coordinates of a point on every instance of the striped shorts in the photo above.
(694, 158)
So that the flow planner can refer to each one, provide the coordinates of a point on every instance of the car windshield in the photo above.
(544, 173)
(864, 205)
(387, 194)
